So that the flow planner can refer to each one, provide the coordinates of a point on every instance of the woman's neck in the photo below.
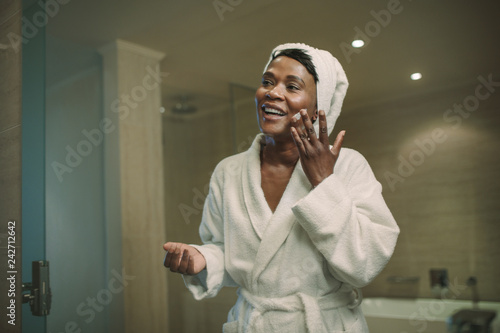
(277, 152)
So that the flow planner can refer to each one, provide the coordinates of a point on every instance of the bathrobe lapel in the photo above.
(276, 227)
(255, 203)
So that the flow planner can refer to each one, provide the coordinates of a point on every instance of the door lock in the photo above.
(39, 296)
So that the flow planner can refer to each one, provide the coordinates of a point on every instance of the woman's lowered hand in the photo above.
(184, 259)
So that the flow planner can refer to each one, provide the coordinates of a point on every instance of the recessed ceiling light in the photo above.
(416, 76)
(357, 43)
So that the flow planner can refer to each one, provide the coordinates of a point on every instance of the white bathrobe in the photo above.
(298, 268)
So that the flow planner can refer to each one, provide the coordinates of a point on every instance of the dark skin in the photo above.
(287, 88)
(275, 175)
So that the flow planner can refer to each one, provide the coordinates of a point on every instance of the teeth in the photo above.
(273, 111)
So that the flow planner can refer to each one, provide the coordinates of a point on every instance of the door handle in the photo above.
(40, 295)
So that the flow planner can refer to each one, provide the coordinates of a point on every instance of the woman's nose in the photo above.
(274, 93)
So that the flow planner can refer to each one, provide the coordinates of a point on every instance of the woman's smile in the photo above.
(286, 88)
(272, 111)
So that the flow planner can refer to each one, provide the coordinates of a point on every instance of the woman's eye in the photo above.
(293, 87)
(266, 82)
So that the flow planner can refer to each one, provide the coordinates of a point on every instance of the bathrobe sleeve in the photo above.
(348, 221)
(208, 282)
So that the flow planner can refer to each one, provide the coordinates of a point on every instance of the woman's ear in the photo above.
(315, 116)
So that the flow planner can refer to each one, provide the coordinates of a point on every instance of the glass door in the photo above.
(33, 155)
(62, 180)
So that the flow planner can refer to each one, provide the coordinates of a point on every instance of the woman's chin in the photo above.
(275, 133)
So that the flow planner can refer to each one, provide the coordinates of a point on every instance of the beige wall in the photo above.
(134, 179)
(447, 207)
(193, 145)
(10, 148)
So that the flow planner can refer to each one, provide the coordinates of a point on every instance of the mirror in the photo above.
(432, 143)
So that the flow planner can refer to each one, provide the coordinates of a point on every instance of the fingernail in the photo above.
(303, 112)
(296, 116)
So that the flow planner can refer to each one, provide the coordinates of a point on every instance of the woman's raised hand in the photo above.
(316, 157)
(184, 259)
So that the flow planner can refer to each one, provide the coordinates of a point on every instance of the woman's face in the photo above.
(286, 88)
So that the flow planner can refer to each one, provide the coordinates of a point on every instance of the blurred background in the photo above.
(129, 105)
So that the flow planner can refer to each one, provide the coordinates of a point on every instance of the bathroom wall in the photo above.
(193, 145)
(10, 149)
(445, 202)
(133, 181)
(439, 171)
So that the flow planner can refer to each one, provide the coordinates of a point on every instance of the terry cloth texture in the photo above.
(297, 268)
(332, 81)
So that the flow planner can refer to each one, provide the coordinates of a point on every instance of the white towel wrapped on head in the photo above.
(298, 266)
(332, 81)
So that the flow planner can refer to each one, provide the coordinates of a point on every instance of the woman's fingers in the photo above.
(304, 136)
(308, 127)
(299, 141)
(173, 256)
(323, 129)
(338, 144)
(316, 157)
(169, 256)
(306, 133)
(184, 259)
(167, 245)
(183, 264)
(191, 267)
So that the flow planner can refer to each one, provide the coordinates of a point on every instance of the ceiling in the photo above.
(451, 42)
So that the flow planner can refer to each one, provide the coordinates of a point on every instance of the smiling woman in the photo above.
(297, 238)
(287, 87)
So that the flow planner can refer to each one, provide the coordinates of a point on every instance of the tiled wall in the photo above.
(140, 169)
(10, 148)
(446, 207)
(193, 145)
(446, 199)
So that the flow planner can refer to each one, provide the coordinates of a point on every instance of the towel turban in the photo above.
(332, 81)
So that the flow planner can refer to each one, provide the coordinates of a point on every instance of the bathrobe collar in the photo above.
(272, 228)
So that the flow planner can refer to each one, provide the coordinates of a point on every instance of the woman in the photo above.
(297, 238)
